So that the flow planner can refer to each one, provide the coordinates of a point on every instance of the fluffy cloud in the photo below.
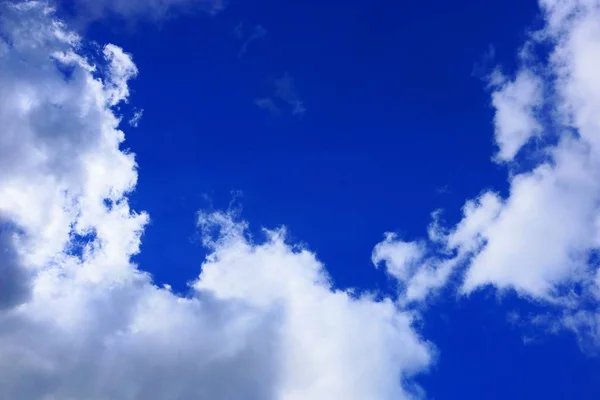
(544, 233)
(515, 103)
(416, 266)
(63, 174)
(334, 345)
(542, 239)
(79, 320)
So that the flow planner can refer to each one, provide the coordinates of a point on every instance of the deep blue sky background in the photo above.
(394, 115)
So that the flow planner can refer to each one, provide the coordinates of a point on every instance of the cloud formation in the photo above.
(79, 320)
(516, 104)
(542, 239)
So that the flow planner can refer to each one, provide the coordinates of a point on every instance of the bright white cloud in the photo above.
(402, 258)
(79, 320)
(414, 265)
(543, 234)
(516, 103)
(333, 345)
(59, 147)
(539, 240)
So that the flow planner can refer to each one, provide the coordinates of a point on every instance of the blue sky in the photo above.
(341, 121)
(395, 127)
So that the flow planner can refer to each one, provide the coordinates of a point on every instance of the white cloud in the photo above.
(542, 236)
(544, 232)
(134, 121)
(420, 268)
(79, 320)
(539, 240)
(59, 147)
(401, 257)
(356, 348)
(515, 103)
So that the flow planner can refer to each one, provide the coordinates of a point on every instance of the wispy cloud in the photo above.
(268, 104)
(445, 189)
(285, 89)
(257, 32)
(283, 94)
(137, 116)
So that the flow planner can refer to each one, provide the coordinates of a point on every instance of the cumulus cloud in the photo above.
(416, 267)
(79, 320)
(516, 104)
(356, 347)
(545, 230)
(542, 239)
